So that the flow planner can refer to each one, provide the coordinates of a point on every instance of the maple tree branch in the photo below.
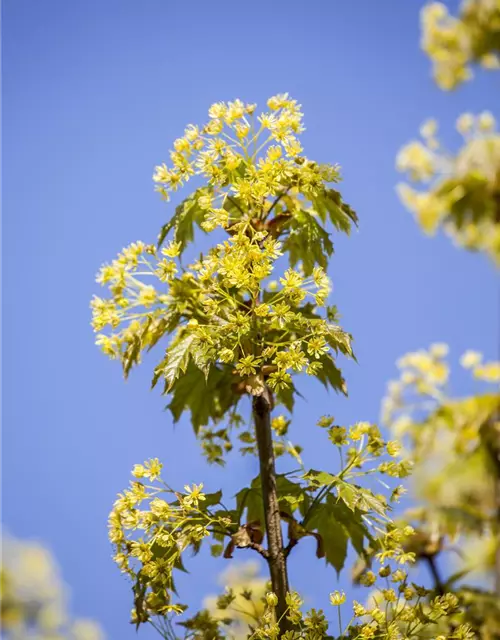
(276, 560)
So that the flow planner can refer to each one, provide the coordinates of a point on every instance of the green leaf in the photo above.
(131, 355)
(330, 203)
(205, 398)
(178, 355)
(291, 496)
(337, 525)
(371, 503)
(340, 340)
(203, 359)
(186, 215)
(320, 478)
(348, 493)
(286, 397)
(330, 376)
(166, 324)
(334, 534)
(307, 242)
(356, 497)
(353, 523)
(212, 499)
(216, 550)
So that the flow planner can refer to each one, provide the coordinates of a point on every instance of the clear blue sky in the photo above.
(95, 91)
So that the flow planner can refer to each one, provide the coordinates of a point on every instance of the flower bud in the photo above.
(271, 599)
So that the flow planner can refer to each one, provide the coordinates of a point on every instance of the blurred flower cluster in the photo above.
(455, 43)
(34, 601)
(450, 440)
(459, 192)
(243, 602)
(246, 609)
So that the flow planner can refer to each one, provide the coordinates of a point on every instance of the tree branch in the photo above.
(259, 548)
(277, 561)
(490, 435)
(438, 583)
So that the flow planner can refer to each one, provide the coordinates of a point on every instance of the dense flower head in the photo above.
(226, 149)
(459, 192)
(226, 316)
(217, 307)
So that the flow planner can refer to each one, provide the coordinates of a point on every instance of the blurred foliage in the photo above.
(243, 601)
(455, 445)
(33, 597)
(459, 192)
(454, 44)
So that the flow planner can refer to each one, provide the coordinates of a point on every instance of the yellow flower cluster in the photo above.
(454, 43)
(219, 303)
(485, 371)
(391, 614)
(421, 390)
(224, 315)
(448, 438)
(232, 137)
(150, 534)
(246, 161)
(244, 600)
(364, 446)
(459, 192)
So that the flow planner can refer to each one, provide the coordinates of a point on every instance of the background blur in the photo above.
(94, 94)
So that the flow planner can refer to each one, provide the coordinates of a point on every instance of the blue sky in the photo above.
(94, 93)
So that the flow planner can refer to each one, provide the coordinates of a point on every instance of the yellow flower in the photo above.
(439, 350)
(337, 598)
(280, 425)
(489, 372)
(359, 609)
(248, 365)
(194, 495)
(317, 347)
(217, 110)
(139, 471)
(147, 296)
(417, 160)
(291, 279)
(242, 130)
(161, 174)
(486, 121)
(172, 250)
(393, 448)
(471, 359)
(429, 129)
(465, 123)
(389, 595)
(278, 101)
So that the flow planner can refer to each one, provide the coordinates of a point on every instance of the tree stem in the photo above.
(276, 559)
(438, 583)
(490, 433)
